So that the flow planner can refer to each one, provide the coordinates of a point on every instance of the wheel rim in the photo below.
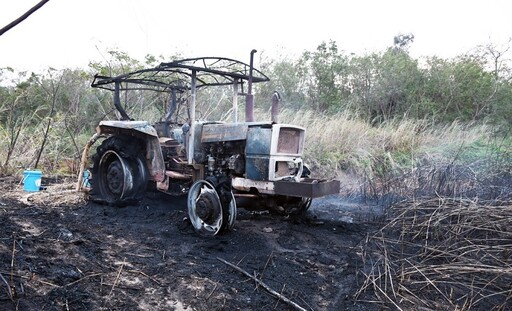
(205, 208)
(116, 176)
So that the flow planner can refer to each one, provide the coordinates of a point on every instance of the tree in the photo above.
(285, 80)
(51, 90)
(325, 75)
(461, 87)
(385, 85)
(20, 106)
(496, 56)
(362, 81)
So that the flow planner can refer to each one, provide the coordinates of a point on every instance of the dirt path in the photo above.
(62, 253)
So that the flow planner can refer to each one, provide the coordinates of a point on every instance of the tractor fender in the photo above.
(143, 130)
(117, 127)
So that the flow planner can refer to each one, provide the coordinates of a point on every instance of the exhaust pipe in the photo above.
(276, 98)
(249, 99)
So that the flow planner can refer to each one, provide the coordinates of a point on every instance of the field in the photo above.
(59, 252)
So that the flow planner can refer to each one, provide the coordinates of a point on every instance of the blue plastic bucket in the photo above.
(32, 180)
(85, 179)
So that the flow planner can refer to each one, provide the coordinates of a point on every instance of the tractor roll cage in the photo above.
(209, 71)
(186, 75)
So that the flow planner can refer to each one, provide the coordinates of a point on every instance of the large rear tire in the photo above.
(119, 173)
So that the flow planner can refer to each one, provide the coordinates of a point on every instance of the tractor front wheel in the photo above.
(208, 213)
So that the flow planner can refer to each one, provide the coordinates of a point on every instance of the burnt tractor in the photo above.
(219, 166)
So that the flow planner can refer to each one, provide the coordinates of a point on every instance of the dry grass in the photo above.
(347, 139)
(405, 158)
(441, 254)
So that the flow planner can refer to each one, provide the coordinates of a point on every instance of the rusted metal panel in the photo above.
(155, 159)
(257, 167)
(289, 141)
(223, 132)
(242, 184)
(259, 141)
(309, 188)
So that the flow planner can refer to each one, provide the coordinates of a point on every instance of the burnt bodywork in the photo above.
(218, 165)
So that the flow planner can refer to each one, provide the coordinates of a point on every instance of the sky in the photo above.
(71, 33)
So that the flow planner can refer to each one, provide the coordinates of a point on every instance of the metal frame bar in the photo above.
(192, 113)
(210, 71)
(186, 75)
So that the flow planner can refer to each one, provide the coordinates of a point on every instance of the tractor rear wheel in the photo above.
(119, 173)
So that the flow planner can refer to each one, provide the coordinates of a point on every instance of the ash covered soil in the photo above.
(60, 252)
